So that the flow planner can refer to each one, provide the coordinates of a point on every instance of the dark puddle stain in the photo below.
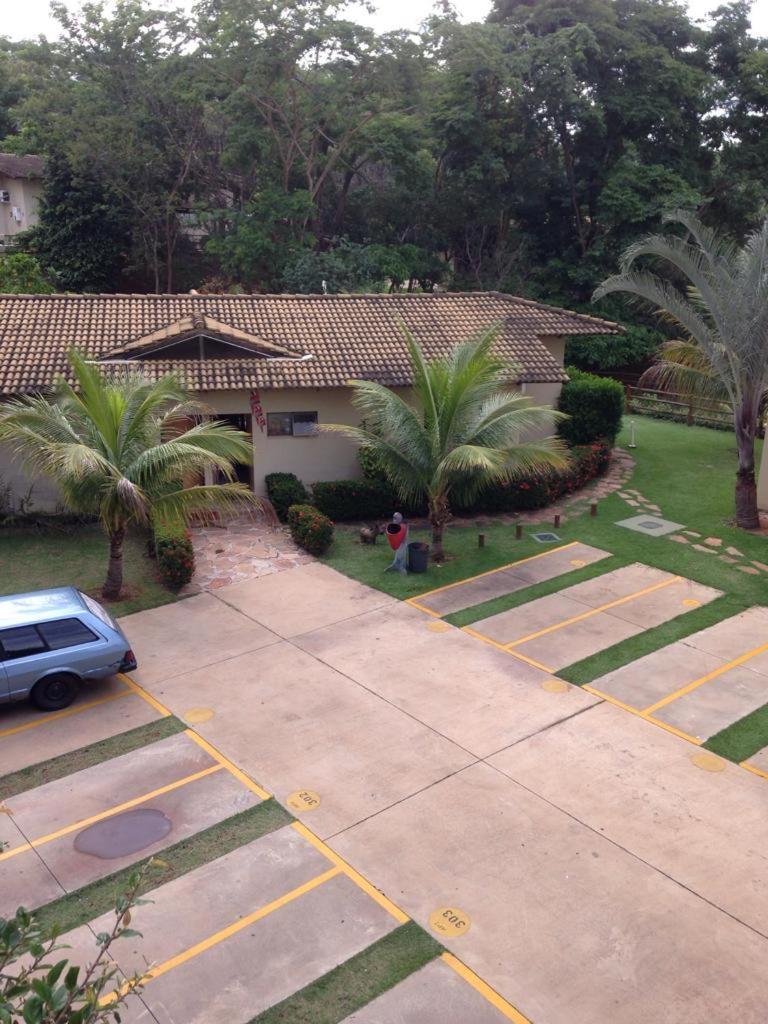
(123, 834)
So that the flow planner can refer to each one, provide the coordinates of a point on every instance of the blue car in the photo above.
(51, 641)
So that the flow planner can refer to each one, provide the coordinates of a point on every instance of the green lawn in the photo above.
(32, 560)
(688, 471)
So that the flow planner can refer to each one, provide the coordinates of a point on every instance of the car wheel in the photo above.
(54, 692)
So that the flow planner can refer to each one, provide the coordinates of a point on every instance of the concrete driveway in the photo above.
(598, 872)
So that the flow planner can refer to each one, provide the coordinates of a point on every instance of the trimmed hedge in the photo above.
(541, 489)
(284, 490)
(310, 529)
(342, 500)
(594, 406)
(175, 554)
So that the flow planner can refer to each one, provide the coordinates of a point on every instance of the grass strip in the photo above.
(467, 616)
(92, 900)
(74, 761)
(591, 668)
(357, 981)
(740, 740)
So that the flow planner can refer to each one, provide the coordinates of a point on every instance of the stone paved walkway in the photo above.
(243, 549)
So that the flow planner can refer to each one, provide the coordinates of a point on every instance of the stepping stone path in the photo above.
(242, 549)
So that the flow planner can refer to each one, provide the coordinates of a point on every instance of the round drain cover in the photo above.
(123, 834)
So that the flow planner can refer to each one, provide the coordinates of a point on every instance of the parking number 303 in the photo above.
(449, 921)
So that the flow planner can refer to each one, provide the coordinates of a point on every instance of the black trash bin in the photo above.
(418, 556)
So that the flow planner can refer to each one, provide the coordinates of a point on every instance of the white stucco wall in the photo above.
(45, 496)
(25, 195)
(321, 457)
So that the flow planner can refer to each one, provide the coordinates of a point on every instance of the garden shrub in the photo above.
(594, 406)
(537, 490)
(310, 529)
(175, 554)
(284, 490)
(344, 500)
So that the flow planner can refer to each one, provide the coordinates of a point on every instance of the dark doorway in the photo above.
(240, 421)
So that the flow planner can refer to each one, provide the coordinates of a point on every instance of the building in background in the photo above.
(21, 186)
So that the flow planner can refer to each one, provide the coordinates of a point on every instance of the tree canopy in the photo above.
(272, 145)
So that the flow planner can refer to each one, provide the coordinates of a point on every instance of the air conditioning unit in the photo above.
(17, 214)
(5, 197)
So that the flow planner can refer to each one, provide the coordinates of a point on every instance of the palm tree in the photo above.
(722, 308)
(462, 433)
(119, 447)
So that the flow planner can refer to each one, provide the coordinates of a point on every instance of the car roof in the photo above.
(39, 605)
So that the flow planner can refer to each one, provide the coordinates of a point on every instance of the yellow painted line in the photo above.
(485, 990)
(752, 768)
(225, 933)
(501, 647)
(642, 714)
(422, 607)
(594, 611)
(141, 692)
(355, 876)
(705, 679)
(226, 763)
(56, 715)
(490, 572)
(84, 822)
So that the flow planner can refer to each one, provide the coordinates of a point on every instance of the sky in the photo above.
(30, 18)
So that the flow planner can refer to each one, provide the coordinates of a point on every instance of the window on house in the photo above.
(291, 424)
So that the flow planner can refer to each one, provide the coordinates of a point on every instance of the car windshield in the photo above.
(98, 611)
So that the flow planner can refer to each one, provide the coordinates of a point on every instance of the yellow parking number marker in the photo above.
(197, 715)
(709, 762)
(303, 800)
(579, 563)
(438, 627)
(449, 921)
(691, 602)
(555, 686)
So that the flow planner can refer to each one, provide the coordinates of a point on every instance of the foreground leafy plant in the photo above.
(36, 989)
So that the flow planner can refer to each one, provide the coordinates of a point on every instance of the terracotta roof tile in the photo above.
(344, 336)
(14, 166)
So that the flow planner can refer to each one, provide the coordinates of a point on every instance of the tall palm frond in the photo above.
(464, 430)
(719, 300)
(120, 446)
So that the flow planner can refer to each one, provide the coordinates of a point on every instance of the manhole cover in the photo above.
(123, 834)
(545, 538)
(650, 525)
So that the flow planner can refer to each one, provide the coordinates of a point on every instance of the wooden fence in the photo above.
(668, 405)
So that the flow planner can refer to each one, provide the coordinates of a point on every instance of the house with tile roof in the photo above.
(21, 186)
(277, 366)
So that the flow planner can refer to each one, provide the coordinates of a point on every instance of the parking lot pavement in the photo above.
(476, 696)
(641, 788)
(101, 709)
(434, 995)
(298, 724)
(290, 603)
(242, 932)
(701, 684)
(509, 578)
(579, 621)
(99, 820)
(199, 631)
(565, 924)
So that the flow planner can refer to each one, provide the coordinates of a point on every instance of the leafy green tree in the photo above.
(20, 273)
(464, 431)
(121, 447)
(717, 294)
(84, 233)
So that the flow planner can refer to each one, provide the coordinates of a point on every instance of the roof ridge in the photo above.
(253, 295)
(519, 300)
